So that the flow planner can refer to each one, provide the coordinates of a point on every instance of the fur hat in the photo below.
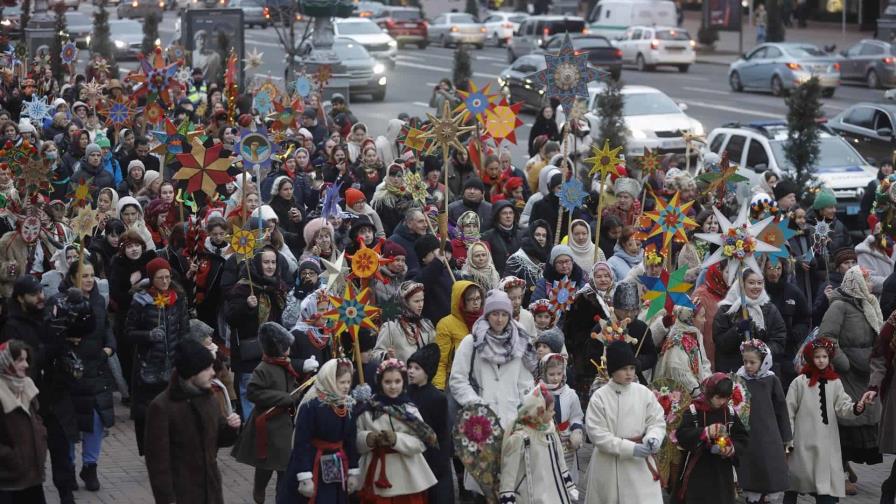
(785, 187)
(392, 249)
(553, 338)
(844, 254)
(275, 339)
(619, 355)
(626, 296)
(191, 358)
(497, 300)
(627, 185)
(200, 331)
(313, 226)
(427, 358)
(360, 223)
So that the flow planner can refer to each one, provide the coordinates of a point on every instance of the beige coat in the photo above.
(393, 336)
(815, 463)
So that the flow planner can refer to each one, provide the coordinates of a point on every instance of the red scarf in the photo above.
(814, 374)
(283, 362)
(471, 318)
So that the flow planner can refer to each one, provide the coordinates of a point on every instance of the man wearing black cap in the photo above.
(309, 122)
(473, 199)
(548, 208)
(434, 275)
(785, 194)
(186, 427)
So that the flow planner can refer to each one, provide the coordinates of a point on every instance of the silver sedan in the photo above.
(781, 67)
(456, 28)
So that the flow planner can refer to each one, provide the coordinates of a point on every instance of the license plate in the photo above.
(671, 144)
(852, 209)
(409, 25)
(675, 49)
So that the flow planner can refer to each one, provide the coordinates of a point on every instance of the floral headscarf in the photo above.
(810, 369)
(754, 306)
(543, 369)
(487, 277)
(536, 413)
(855, 286)
(325, 388)
(469, 217)
(765, 369)
(708, 391)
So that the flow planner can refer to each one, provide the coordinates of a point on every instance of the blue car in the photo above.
(780, 67)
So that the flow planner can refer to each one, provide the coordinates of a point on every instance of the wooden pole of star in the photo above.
(564, 169)
(600, 216)
(356, 343)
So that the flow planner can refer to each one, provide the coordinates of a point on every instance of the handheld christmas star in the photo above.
(777, 234)
(37, 109)
(572, 194)
(81, 192)
(445, 130)
(726, 174)
(351, 312)
(672, 221)
(650, 163)
(34, 176)
(323, 75)
(604, 160)
(286, 115)
(502, 120)
(265, 96)
(738, 242)
(415, 186)
(666, 291)
(243, 241)
(173, 140)
(567, 74)
(413, 138)
(253, 59)
(160, 300)
(302, 85)
(84, 223)
(475, 102)
(366, 263)
(155, 79)
(69, 53)
(119, 113)
(562, 294)
(203, 168)
(94, 91)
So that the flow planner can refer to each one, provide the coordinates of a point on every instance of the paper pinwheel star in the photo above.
(183, 75)
(94, 91)
(444, 131)
(160, 300)
(81, 192)
(666, 291)
(265, 96)
(567, 74)
(475, 102)
(155, 78)
(650, 162)
(69, 53)
(604, 160)
(203, 168)
(502, 120)
(119, 112)
(413, 138)
(738, 242)
(672, 220)
(727, 174)
(253, 59)
(37, 109)
(243, 241)
(562, 294)
(154, 113)
(84, 223)
(572, 194)
(777, 234)
(351, 312)
(286, 116)
(302, 85)
(415, 186)
(173, 140)
(366, 262)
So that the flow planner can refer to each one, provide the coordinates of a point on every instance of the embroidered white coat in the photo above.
(550, 479)
(617, 413)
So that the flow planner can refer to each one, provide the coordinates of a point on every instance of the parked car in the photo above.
(601, 52)
(653, 119)
(10, 19)
(870, 61)
(648, 47)
(758, 147)
(456, 28)
(378, 43)
(611, 18)
(869, 129)
(500, 26)
(536, 30)
(79, 26)
(130, 9)
(404, 24)
(127, 38)
(364, 74)
(780, 67)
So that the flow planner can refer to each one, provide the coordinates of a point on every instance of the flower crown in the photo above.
(653, 258)
(755, 344)
(389, 365)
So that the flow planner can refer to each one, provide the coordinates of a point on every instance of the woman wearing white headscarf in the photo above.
(853, 321)
(582, 244)
(479, 267)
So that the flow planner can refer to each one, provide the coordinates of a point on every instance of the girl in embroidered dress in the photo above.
(815, 400)
(324, 459)
(533, 469)
(568, 417)
(391, 439)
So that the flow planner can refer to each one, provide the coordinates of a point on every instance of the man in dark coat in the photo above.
(90, 169)
(548, 208)
(503, 238)
(406, 234)
(794, 309)
(435, 277)
(187, 428)
(473, 199)
(141, 153)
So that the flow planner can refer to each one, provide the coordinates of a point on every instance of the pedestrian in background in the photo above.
(760, 20)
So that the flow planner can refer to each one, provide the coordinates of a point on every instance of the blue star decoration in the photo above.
(567, 75)
(572, 193)
(263, 103)
(302, 85)
(778, 233)
(37, 109)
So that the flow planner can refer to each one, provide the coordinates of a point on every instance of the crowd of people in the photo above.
(209, 347)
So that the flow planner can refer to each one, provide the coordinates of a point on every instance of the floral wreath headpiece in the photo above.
(389, 365)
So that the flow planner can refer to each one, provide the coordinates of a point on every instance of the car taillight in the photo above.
(836, 67)
(545, 32)
(654, 44)
(889, 60)
(617, 52)
(584, 29)
(794, 66)
(266, 12)
(455, 29)
(482, 29)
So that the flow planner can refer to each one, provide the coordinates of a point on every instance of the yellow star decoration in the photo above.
(672, 220)
(82, 191)
(604, 160)
(415, 186)
(475, 102)
(160, 300)
(650, 162)
(242, 241)
(415, 139)
(84, 223)
(445, 130)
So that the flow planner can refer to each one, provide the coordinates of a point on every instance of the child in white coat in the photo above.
(626, 424)
(815, 400)
(568, 416)
(533, 470)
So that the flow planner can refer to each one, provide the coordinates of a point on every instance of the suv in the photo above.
(405, 24)
(536, 30)
(758, 147)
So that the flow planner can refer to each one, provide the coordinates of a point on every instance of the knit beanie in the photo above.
(26, 284)
(474, 183)
(409, 288)
(91, 148)
(626, 296)
(560, 250)
(392, 249)
(191, 358)
(353, 196)
(103, 142)
(275, 339)
(138, 163)
(824, 199)
(783, 188)
(553, 338)
(200, 331)
(556, 180)
(844, 254)
(619, 355)
(425, 244)
(427, 358)
(309, 264)
(155, 266)
(497, 300)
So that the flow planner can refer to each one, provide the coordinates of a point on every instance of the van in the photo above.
(534, 31)
(611, 18)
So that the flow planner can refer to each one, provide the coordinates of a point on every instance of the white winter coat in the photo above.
(617, 413)
(815, 463)
(550, 481)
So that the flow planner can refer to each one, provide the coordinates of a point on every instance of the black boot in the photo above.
(66, 497)
(887, 492)
(88, 474)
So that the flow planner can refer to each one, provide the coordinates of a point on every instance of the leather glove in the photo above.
(388, 438)
(311, 365)
(306, 488)
(653, 445)
(354, 483)
(373, 438)
(156, 335)
(576, 439)
(641, 450)
(668, 320)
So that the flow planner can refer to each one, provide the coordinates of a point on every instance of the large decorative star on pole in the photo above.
(777, 234)
(738, 242)
(672, 221)
(366, 263)
(604, 160)
(173, 140)
(37, 109)
(351, 312)
(666, 291)
(501, 121)
(567, 75)
(444, 131)
(155, 79)
(203, 168)
(475, 102)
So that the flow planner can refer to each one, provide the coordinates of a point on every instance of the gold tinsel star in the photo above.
(445, 130)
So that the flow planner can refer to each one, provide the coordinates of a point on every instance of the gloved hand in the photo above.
(641, 450)
(306, 488)
(156, 335)
(354, 483)
(654, 445)
(311, 365)
(388, 438)
(743, 326)
(373, 438)
(668, 320)
(576, 439)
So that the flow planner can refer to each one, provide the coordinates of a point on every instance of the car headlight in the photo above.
(698, 129)
(87, 40)
(393, 44)
(379, 68)
(5, 22)
(638, 134)
(120, 44)
(158, 42)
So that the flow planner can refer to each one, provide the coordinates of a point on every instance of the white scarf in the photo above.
(754, 306)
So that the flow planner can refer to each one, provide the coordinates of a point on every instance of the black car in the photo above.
(519, 84)
(601, 53)
(357, 69)
(869, 128)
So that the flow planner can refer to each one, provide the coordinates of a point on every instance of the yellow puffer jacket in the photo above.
(450, 331)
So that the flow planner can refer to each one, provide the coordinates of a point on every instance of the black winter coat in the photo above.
(821, 304)
(404, 237)
(794, 309)
(98, 176)
(437, 282)
(711, 480)
(31, 329)
(728, 336)
(502, 242)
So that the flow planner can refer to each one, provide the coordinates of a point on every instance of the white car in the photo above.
(654, 120)
(365, 32)
(500, 26)
(649, 46)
